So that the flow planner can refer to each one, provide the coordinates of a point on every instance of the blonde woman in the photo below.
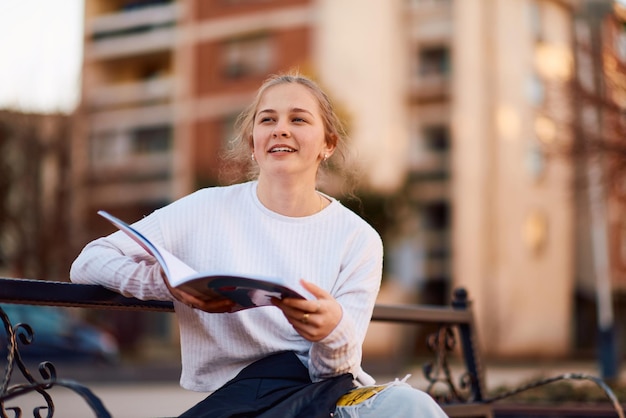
(298, 357)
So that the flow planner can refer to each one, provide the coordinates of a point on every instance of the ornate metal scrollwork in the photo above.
(25, 334)
(441, 385)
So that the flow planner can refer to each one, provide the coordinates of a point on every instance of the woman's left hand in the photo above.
(313, 319)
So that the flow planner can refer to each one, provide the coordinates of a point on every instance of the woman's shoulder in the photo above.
(229, 190)
(353, 221)
(226, 193)
(215, 197)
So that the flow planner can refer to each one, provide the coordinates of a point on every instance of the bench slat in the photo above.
(421, 313)
(43, 292)
(54, 293)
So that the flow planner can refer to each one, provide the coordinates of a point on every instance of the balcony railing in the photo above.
(132, 20)
(128, 118)
(144, 30)
(427, 4)
(128, 194)
(133, 144)
(430, 87)
(156, 90)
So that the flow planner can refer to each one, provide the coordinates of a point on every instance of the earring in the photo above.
(325, 157)
(252, 156)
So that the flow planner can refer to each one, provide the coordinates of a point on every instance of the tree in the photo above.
(34, 195)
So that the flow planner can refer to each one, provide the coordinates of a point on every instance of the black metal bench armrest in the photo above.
(41, 292)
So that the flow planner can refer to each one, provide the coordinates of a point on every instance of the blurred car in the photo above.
(58, 336)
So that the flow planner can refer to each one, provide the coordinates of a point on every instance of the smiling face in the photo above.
(288, 133)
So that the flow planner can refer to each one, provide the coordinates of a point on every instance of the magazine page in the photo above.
(246, 292)
(173, 267)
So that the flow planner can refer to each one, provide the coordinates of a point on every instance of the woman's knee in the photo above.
(397, 401)
(411, 399)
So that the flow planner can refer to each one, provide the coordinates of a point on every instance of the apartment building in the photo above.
(162, 84)
(457, 111)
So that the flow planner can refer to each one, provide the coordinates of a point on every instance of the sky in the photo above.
(40, 54)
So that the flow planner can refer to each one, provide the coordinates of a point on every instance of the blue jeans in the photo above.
(396, 400)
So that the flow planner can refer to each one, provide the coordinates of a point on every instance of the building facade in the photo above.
(457, 111)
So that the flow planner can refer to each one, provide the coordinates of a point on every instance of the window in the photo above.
(436, 216)
(428, 152)
(106, 147)
(244, 2)
(142, 4)
(252, 55)
(437, 138)
(115, 146)
(151, 139)
(434, 61)
(427, 3)
(535, 20)
(535, 90)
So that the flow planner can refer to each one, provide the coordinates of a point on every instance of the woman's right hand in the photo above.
(213, 303)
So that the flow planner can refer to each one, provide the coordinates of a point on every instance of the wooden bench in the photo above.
(467, 398)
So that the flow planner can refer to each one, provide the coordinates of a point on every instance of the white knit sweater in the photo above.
(227, 229)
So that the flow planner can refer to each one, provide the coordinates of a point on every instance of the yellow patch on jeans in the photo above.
(358, 395)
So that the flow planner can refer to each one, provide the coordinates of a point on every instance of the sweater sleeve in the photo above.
(357, 288)
(118, 263)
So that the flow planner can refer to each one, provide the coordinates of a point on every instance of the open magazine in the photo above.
(246, 292)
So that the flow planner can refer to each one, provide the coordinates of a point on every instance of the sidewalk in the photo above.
(508, 374)
(122, 400)
(151, 390)
(515, 373)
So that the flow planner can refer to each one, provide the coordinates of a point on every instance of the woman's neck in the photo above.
(294, 199)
